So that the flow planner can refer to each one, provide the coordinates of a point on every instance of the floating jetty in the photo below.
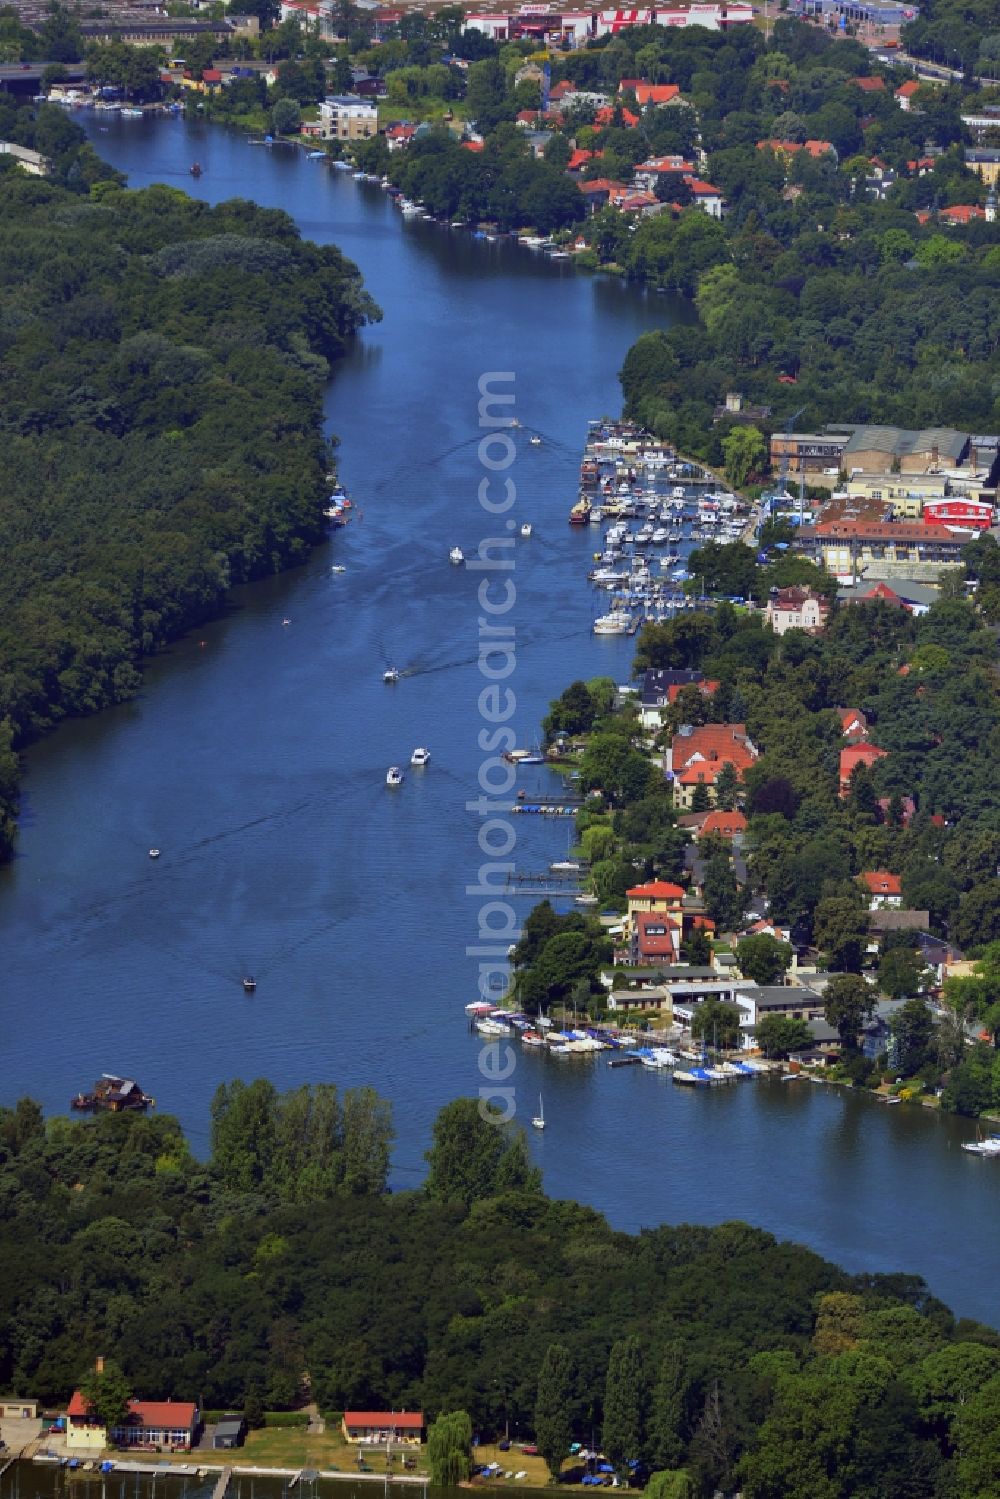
(652, 507)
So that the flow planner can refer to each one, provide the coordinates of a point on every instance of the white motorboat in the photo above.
(456, 556)
(565, 866)
(586, 900)
(539, 1120)
(526, 528)
(988, 1147)
(154, 853)
(338, 567)
(420, 756)
(535, 440)
(390, 674)
(618, 622)
(394, 776)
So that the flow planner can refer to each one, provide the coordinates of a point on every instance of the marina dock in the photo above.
(652, 508)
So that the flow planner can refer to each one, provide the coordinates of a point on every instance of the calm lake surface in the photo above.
(256, 758)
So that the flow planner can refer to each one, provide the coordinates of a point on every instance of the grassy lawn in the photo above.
(515, 1461)
(294, 1448)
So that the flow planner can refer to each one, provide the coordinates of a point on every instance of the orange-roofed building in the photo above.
(961, 213)
(579, 158)
(728, 825)
(871, 85)
(853, 724)
(169, 1424)
(706, 196)
(383, 1426)
(885, 890)
(697, 755)
(606, 116)
(905, 92)
(472, 145)
(656, 938)
(656, 94)
(853, 756)
(655, 897)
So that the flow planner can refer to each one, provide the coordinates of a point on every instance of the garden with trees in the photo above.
(709, 1357)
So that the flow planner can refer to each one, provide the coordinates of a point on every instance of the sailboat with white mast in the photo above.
(539, 1120)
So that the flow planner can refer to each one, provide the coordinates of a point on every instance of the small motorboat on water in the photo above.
(535, 440)
(338, 567)
(154, 853)
(987, 1147)
(196, 169)
(249, 984)
(456, 556)
(394, 776)
(390, 674)
(526, 528)
(420, 756)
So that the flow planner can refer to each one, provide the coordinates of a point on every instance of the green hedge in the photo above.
(271, 1418)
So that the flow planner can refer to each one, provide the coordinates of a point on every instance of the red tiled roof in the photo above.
(602, 185)
(384, 1420)
(702, 189)
(656, 93)
(908, 89)
(178, 1415)
(962, 213)
(725, 824)
(708, 748)
(881, 530)
(211, 75)
(881, 882)
(872, 85)
(472, 145)
(655, 890)
(577, 159)
(646, 919)
(606, 116)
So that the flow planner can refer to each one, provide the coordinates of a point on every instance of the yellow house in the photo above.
(657, 896)
(986, 165)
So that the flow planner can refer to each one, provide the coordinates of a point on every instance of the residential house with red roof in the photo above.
(853, 724)
(961, 213)
(606, 116)
(853, 756)
(719, 824)
(873, 84)
(167, 1425)
(707, 197)
(885, 890)
(656, 938)
(383, 1427)
(659, 168)
(697, 755)
(904, 94)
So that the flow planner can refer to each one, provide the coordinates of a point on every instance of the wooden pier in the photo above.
(219, 1492)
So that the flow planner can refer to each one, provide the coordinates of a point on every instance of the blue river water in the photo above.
(255, 758)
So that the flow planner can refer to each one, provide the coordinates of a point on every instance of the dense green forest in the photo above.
(162, 364)
(744, 1361)
(960, 35)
